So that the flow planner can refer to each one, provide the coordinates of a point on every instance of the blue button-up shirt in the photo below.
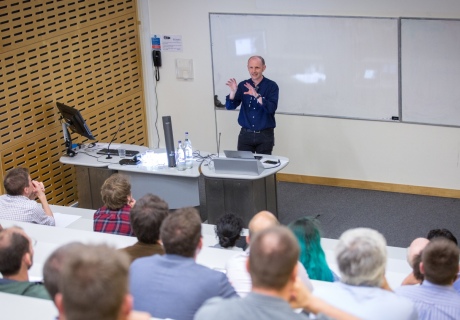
(253, 115)
(433, 301)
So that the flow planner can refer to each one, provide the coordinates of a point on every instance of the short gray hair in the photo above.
(361, 256)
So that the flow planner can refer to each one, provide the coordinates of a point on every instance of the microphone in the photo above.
(108, 148)
(256, 88)
(218, 145)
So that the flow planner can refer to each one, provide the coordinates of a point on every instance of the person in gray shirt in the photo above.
(276, 289)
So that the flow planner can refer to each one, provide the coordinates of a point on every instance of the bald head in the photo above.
(415, 248)
(259, 58)
(261, 221)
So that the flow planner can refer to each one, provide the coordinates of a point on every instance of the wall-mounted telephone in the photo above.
(156, 54)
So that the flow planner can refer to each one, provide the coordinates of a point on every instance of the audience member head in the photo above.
(416, 267)
(442, 233)
(440, 261)
(146, 217)
(16, 253)
(262, 221)
(307, 232)
(361, 257)
(16, 181)
(273, 258)
(93, 284)
(181, 232)
(415, 249)
(228, 229)
(53, 265)
(116, 191)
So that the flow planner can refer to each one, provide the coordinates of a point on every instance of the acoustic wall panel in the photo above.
(81, 53)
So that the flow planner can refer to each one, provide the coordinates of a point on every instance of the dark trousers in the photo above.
(256, 141)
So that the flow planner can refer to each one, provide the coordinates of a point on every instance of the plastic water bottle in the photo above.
(180, 157)
(188, 152)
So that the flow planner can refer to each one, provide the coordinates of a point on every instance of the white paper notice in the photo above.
(172, 43)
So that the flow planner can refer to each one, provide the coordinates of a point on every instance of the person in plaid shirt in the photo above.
(114, 217)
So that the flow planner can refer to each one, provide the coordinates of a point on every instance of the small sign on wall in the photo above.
(168, 43)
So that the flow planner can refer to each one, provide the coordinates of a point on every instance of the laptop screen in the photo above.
(239, 154)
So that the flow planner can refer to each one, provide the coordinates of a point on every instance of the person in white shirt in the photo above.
(19, 203)
(235, 267)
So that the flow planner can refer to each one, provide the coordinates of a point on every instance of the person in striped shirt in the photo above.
(436, 297)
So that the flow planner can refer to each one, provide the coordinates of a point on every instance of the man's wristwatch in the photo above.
(258, 96)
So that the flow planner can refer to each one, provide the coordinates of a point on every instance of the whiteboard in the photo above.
(325, 66)
(430, 71)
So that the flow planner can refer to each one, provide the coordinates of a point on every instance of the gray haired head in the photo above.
(361, 256)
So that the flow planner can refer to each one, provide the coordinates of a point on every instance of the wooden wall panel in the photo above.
(28, 21)
(81, 53)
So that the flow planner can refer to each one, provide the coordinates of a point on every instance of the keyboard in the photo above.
(114, 152)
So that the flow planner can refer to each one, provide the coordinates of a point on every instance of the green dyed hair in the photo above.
(312, 256)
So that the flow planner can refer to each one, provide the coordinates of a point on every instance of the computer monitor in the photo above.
(74, 120)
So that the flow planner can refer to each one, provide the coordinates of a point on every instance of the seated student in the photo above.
(414, 258)
(53, 265)
(312, 256)
(147, 215)
(19, 201)
(275, 289)
(173, 285)
(228, 230)
(436, 298)
(113, 217)
(361, 255)
(235, 267)
(16, 258)
(445, 233)
(442, 233)
(92, 283)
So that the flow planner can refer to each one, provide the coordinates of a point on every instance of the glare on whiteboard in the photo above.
(244, 47)
(369, 74)
(311, 75)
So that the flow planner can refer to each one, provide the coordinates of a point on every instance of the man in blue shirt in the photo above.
(173, 285)
(258, 97)
(436, 298)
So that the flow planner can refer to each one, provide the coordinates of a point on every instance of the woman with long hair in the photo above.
(307, 232)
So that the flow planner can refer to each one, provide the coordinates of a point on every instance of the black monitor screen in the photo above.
(75, 121)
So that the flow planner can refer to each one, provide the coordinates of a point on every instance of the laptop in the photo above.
(239, 154)
(238, 166)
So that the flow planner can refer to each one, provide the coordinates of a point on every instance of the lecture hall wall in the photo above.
(368, 151)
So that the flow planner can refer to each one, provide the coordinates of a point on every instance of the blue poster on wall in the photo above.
(156, 42)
